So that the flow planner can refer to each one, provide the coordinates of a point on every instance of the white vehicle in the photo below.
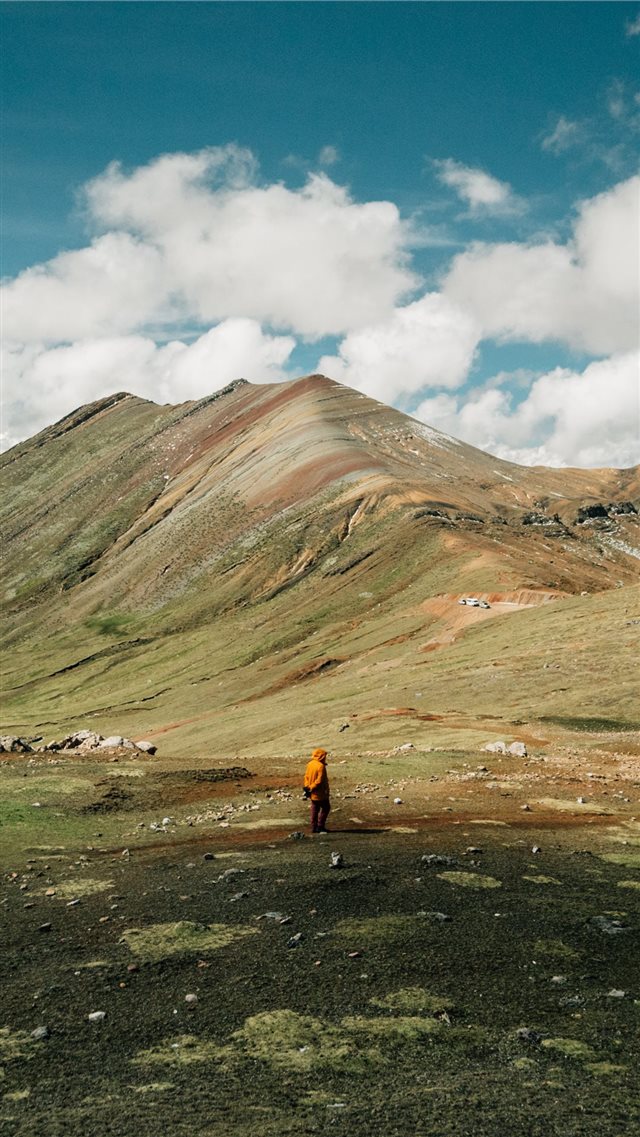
(483, 604)
(471, 601)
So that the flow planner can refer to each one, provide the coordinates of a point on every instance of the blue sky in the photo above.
(449, 185)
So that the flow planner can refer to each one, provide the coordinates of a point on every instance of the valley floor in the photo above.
(249, 986)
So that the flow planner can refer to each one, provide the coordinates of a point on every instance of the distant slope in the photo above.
(274, 513)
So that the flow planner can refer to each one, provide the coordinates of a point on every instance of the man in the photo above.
(316, 788)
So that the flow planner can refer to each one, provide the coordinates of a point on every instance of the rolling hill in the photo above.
(275, 561)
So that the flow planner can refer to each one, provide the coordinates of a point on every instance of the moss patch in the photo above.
(290, 1041)
(601, 1069)
(181, 1051)
(630, 858)
(159, 941)
(77, 887)
(408, 1027)
(376, 929)
(541, 879)
(570, 1047)
(629, 884)
(470, 879)
(556, 949)
(413, 1000)
(14, 1044)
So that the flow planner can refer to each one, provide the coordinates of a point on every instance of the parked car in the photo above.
(483, 604)
(471, 601)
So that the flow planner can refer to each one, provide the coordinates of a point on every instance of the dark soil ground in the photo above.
(384, 1019)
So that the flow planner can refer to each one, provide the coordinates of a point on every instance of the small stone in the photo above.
(167, 820)
(296, 836)
(531, 1037)
(472, 850)
(615, 993)
(397, 801)
(525, 808)
(50, 892)
(40, 1033)
(536, 849)
(208, 857)
(337, 861)
(45, 927)
(97, 1016)
(354, 954)
(72, 903)
(581, 800)
(295, 940)
(558, 979)
(131, 967)
(191, 999)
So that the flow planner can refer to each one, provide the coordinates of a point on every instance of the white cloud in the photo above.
(565, 134)
(480, 190)
(584, 293)
(328, 156)
(194, 236)
(633, 26)
(42, 385)
(428, 343)
(587, 419)
(114, 285)
(310, 260)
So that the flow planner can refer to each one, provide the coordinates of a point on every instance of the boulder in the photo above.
(112, 740)
(146, 747)
(518, 749)
(11, 744)
(496, 747)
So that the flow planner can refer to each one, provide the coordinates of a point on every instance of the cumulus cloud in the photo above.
(584, 293)
(481, 191)
(587, 418)
(42, 385)
(311, 260)
(427, 343)
(195, 236)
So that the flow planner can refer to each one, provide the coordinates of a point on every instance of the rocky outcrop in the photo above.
(85, 740)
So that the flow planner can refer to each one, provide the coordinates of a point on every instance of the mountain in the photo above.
(276, 558)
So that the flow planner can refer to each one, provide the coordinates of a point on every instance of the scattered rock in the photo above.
(559, 980)
(581, 800)
(345, 726)
(437, 859)
(337, 861)
(608, 925)
(40, 1033)
(525, 808)
(208, 857)
(191, 999)
(97, 1016)
(12, 744)
(296, 836)
(440, 917)
(496, 747)
(518, 749)
(397, 801)
(536, 849)
(615, 993)
(295, 941)
(531, 1037)
(45, 927)
(147, 747)
(131, 967)
(472, 850)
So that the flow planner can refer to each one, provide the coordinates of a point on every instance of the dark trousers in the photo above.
(319, 814)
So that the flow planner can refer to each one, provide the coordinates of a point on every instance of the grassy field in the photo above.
(387, 994)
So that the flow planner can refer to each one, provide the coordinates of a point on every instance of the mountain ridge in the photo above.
(304, 508)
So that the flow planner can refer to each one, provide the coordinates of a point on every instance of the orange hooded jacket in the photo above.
(316, 779)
